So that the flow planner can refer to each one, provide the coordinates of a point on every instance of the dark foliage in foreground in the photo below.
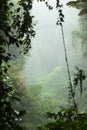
(15, 29)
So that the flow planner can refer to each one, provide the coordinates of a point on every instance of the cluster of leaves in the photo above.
(29, 99)
(66, 119)
(46, 3)
(79, 4)
(9, 117)
(59, 6)
(15, 29)
(60, 19)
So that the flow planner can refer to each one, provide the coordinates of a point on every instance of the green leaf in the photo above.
(75, 4)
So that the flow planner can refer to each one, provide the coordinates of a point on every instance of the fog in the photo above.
(45, 64)
(47, 49)
(45, 86)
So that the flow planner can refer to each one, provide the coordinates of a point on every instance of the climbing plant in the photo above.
(68, 118)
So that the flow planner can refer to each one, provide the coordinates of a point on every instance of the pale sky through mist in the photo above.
(47, 48)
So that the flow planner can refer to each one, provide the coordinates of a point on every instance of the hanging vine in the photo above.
(60, 21)
(70, 118)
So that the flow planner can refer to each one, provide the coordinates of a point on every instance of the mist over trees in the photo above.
(23, 106)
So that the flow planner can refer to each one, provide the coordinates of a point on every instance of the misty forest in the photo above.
(43, 58)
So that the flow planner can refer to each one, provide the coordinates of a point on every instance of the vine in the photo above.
(60, 21)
